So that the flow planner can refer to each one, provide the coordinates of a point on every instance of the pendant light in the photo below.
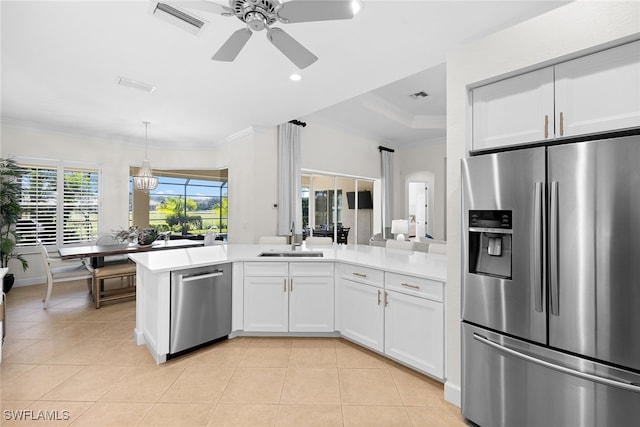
(145, 181)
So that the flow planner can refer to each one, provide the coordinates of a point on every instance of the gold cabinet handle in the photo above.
(359, 274)
(291, 284)
(407, 285)
(386, 298)
(546, 126)
(561, 123)
(379, 299)
(285, 285)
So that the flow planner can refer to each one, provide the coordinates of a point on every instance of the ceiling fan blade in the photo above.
(206, 6)
(293, 50)
(232, 47)
(314, 10)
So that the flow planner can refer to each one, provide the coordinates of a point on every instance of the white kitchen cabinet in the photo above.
(362, 314)
(414, 332)
(361, 308)
(414, 322)
(513, 111)
(399, 315)
(590, 94)
(266, 302)
(599, 92)
(288, 297)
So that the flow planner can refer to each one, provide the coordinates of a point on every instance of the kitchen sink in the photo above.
(289, 254)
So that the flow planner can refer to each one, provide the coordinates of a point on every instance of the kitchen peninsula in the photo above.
(390, 301)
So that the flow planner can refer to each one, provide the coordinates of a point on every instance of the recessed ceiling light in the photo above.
(356, 6)
(145, 87)
(295, 77)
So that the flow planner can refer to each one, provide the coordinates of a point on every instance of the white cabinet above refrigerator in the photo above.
(595, 93)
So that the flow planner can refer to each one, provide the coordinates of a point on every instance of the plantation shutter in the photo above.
(60, 205)
(38, 199)
(80, 206)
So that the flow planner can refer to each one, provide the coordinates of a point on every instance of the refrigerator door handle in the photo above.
(554, 295)
(563, 369)
(537, 276)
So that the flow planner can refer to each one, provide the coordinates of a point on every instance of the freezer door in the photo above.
(594, 249)
(508, 382)
(508, 298)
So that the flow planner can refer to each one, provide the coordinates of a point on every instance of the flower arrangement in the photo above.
(125, 235)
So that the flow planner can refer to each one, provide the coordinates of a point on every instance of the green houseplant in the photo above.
(10, 211)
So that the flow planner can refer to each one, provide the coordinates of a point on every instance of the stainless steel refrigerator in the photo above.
(551, 285)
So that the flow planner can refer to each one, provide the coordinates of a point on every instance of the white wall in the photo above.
(253, 185)
(331, 150)
(581, 26)
(412, 162)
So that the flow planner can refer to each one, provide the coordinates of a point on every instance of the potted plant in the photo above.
(10, 211)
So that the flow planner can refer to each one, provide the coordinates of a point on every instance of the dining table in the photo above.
(96, 253)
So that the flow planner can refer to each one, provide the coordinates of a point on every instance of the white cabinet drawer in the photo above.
(266, 269)
(412, 285)
(311, 269)
(362, 274)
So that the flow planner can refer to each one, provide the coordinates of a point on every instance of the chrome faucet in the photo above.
(293, 236)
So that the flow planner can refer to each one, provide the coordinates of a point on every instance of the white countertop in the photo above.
(421, 264)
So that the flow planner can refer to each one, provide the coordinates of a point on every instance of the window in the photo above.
(188, 202)
(60, 204)
(326, 210)
(325, 205)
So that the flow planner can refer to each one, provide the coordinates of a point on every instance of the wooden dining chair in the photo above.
(343, 235)
(61, 271)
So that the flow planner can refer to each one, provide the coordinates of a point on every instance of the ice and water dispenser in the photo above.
(490, 238)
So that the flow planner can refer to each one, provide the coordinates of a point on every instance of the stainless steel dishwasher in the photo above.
(200, 306)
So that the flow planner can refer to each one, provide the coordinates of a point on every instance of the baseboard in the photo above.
(30, 281)
(453, 393)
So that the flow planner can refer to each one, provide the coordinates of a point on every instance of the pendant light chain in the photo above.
(146, 138)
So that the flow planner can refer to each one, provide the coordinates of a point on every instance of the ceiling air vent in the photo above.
(146, 87)
(418, 95)
(178, 17)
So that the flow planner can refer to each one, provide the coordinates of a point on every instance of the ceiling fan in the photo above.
(261, 14)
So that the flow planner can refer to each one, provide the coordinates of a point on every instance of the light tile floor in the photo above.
(75, 365)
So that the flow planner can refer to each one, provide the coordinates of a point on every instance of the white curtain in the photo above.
(289, 197)
(386, 161)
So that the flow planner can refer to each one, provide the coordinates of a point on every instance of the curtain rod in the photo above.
(298, 122)
(381, 148)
